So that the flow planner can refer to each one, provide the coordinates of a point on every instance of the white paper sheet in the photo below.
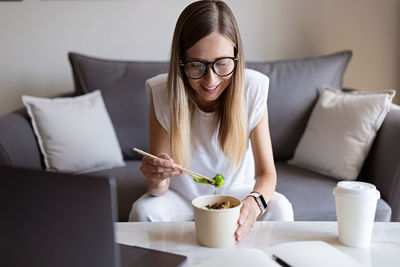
(311, 253)
(239, 258)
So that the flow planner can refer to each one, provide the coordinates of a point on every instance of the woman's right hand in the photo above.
(158, 172)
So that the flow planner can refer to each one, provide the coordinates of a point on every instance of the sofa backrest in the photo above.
(294, 86)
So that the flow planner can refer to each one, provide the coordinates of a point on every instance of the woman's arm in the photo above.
(265, 175)
(158, 171)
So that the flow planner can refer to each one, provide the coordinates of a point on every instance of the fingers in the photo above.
(165, 156)
(162, 175)
(246, 220)
(163, 161)
(169, 159)
(159, 168)
(244, 224)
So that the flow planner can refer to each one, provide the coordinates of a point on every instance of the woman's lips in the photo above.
(210, 89)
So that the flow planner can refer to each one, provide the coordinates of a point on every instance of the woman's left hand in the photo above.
(248, 215)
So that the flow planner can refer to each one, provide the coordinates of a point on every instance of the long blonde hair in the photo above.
(198, 20)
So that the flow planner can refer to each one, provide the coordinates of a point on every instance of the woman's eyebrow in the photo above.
(204, 60)
(194, 59)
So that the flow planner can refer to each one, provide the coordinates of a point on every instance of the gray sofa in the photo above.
(294, 86)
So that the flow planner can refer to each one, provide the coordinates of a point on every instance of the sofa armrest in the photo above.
(382, 166)
(18, 144)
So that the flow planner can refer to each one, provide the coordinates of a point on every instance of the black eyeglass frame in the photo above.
(206, 64)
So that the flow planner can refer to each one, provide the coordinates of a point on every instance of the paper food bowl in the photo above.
(216, 227)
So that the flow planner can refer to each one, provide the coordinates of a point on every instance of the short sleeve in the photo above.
(256, 90)
(156, 88)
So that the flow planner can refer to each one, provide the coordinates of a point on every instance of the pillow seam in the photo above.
(38, 135)
(377, 124)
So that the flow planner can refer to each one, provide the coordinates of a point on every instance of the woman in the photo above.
(210, 115)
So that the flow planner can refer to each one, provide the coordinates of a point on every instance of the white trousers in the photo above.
(173, 207)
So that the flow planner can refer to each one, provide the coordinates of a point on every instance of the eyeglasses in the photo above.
(195, 69)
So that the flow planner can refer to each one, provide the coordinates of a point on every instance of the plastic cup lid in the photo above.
(356, 189)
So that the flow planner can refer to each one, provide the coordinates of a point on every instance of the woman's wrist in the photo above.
(260, 200)
(255, 205)
(158, 188)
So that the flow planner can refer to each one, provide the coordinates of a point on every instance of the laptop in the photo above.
(59, 219)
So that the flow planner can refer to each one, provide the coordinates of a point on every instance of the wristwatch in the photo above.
(260, 201)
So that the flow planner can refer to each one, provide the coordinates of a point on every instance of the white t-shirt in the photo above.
(207, 157)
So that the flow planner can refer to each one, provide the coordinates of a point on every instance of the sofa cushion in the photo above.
(340, 132)
(293, 91)
(311, 194)
(130, 186)
(122, 84)
(75, 134)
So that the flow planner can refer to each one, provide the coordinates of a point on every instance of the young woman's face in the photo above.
(210, 86)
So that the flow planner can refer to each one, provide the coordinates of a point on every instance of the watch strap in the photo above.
(261, 197)
(262, 204)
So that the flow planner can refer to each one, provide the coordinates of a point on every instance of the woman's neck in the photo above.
(208, 106)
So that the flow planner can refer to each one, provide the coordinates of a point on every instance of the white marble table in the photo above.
(179, 237)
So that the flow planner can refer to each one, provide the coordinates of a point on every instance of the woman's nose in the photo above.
(210, 76)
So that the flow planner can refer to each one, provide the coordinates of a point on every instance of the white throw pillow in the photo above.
(340, 132)
(75, 134)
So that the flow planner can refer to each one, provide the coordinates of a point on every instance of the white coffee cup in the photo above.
(355, 211)
(215, 228)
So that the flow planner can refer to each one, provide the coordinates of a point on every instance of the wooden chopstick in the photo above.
(191, 173)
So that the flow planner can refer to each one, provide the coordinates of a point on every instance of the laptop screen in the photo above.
(57, 219)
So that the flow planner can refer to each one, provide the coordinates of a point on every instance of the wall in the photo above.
(35, 37)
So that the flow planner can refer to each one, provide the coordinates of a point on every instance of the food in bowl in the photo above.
(221, 205)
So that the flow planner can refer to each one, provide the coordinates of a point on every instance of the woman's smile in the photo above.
(209, 89)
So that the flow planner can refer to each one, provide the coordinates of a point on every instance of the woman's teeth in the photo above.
(210, 88)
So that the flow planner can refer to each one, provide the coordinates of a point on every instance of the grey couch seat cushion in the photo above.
(130, 186)
(311, 194)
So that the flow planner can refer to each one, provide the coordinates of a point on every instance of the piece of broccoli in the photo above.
(201, 180)
(218, 180)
